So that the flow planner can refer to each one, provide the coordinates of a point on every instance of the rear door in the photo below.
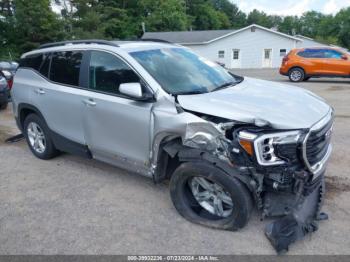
(60, 99)
(336, 64)
(117, 128)
(312, 60)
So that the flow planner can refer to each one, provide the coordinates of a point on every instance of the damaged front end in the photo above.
(284, 170)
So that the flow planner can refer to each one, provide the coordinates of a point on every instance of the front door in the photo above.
(236, 58)
(267, 58)
(336, 63)
(117, 128)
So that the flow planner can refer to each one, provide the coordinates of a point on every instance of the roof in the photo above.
(204, 37)
(187, 36)
(128, 46)
(305, 37)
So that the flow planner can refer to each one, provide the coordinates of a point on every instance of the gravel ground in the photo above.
(70, 205)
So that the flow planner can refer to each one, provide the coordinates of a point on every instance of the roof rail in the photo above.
(75, 42)
(155, 40)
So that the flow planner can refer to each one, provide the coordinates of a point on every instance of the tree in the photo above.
(164, 15)
(290, 25)
(311, 23)
(237, 18)
(259, 18)
(35, 23)
(342, 19)
(204, 16)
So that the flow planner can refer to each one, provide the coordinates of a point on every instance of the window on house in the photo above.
(221, 54)
(283, 52)
(235, 54)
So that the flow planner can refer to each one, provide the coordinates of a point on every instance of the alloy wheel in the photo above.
(36, 137)
(211, 196)
(296, 75)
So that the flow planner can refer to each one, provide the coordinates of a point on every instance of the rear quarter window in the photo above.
(32, 61)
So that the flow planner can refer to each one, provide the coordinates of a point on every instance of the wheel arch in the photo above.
(177, 153)
(24, 110)
(299, 67)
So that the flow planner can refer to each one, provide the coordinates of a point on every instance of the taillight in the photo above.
(285, 59)
(10, 83)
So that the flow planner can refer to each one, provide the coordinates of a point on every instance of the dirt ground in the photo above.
(70, 205)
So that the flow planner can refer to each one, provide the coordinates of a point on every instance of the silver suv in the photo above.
(226, 143)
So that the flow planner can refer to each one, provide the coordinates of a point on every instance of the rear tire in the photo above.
(3, 106)
(189, 207)
(296, 74)
(38, 137)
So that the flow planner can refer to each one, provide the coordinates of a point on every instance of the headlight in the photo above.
(264, 146)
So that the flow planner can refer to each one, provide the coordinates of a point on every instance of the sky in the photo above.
(292, 7)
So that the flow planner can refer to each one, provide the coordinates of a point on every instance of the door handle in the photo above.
(89, 102)
(40, 91)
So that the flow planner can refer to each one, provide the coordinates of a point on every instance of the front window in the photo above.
(180, 71)
(333, 54)
(107, 72)
(221, 54)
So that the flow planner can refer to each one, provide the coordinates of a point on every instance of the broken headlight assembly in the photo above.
(265, 146)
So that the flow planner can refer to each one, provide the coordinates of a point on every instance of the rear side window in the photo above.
(312, 53)
(107, 72)
(65, 67)
(32, 61)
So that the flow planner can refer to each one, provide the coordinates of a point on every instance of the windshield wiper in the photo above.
(196, 92)
(225, 85)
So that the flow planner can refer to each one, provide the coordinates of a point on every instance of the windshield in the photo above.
(180, 71)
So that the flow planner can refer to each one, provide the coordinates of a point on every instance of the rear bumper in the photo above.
(283, 72)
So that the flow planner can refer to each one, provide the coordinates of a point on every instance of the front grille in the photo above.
(318, 142)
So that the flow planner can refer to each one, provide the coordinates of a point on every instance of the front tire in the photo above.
(205, 195)
(38, 137)
(296, 74)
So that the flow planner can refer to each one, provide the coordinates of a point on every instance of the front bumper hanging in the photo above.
(301, 217)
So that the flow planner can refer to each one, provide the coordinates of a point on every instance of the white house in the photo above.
(253, 46)
(308, 42)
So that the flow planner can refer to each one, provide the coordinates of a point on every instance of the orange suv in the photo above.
(304, 63)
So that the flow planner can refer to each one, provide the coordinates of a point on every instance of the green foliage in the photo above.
(260, 18)
(25, 24)
(343, 21)
(35, 23)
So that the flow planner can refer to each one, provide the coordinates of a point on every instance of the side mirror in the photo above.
(344, 57)
(133, 90)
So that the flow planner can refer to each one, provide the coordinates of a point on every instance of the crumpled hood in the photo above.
(282, 106)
